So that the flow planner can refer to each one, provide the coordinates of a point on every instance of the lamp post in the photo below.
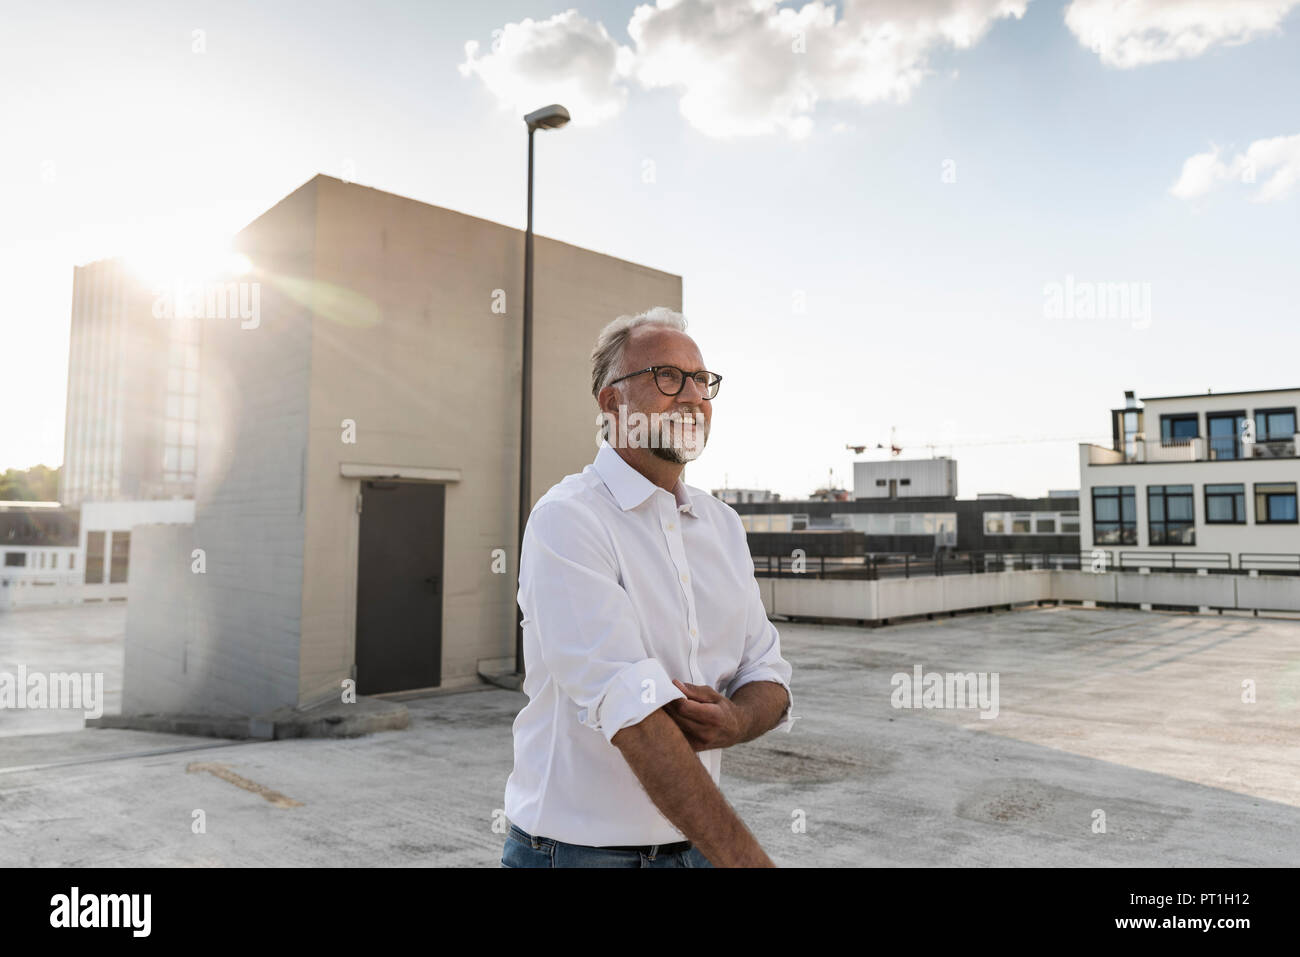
(547, 118)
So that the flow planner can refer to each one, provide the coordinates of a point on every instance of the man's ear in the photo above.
(608, 399)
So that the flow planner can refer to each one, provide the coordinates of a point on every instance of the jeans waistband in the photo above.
(679, 847)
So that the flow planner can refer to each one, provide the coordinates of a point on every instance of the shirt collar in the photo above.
(629, 487)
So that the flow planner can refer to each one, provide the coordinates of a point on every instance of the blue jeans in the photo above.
(524, 850)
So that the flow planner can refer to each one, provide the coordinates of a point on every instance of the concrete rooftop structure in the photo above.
(358, 450)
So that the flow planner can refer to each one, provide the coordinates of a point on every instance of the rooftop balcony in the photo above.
(1216, 449)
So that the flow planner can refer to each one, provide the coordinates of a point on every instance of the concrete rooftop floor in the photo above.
(1138, 714)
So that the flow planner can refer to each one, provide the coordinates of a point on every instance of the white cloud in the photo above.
(567, 59)
(1277, 158)
(1131, 33)
(1200, 173)
(741, 67)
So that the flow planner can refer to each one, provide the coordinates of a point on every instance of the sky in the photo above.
(890, 217)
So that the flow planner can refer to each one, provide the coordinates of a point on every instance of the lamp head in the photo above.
(547, 118)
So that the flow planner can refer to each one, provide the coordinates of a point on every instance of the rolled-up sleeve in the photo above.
(762, 659)
(583, 623)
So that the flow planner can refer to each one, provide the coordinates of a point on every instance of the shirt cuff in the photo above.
(767, 674)
(637, 691)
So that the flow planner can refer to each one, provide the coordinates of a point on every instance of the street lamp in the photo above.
(547, 118)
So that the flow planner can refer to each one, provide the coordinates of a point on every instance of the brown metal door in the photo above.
(399, 586)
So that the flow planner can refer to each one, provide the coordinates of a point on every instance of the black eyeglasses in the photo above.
(671, 380)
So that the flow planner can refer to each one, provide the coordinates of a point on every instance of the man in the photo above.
(646, 646)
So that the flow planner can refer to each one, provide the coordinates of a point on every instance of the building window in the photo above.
(72, 561)
(880, 483)
(1114, 515)
(15, 559)
(95, 558)
(1225, 504)
(1031, 523)
(1178, 429)
(1275, 503)
(1274, 425)
(1171, 515)
(180, 425)
(904, 481)
(1132, 425)
(1225, 429)
(121, 557)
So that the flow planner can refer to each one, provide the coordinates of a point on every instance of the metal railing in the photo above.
(904, 565)
(1196, 449)
(874, 567)
(1273, 449)
(1173, 560)
(1277, 563)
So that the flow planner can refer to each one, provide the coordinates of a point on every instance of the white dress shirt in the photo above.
(625, 586)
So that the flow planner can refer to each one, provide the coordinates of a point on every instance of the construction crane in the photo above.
(893, 447)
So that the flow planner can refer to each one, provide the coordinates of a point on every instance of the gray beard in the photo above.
(668, 454)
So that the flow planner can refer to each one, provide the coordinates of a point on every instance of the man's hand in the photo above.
(708, 719)
(682, 790)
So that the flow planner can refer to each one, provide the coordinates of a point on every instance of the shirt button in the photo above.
(671, 526)
(684, 577)
(692, 632)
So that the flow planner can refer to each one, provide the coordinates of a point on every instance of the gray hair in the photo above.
(607, 354)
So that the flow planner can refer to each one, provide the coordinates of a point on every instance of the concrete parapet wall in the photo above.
(797, 597)
(1173, 588)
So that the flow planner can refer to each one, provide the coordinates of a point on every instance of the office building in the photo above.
(132, 401)
(40, 562)
(1203, 479)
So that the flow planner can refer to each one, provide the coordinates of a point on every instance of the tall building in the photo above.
(132, 415)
